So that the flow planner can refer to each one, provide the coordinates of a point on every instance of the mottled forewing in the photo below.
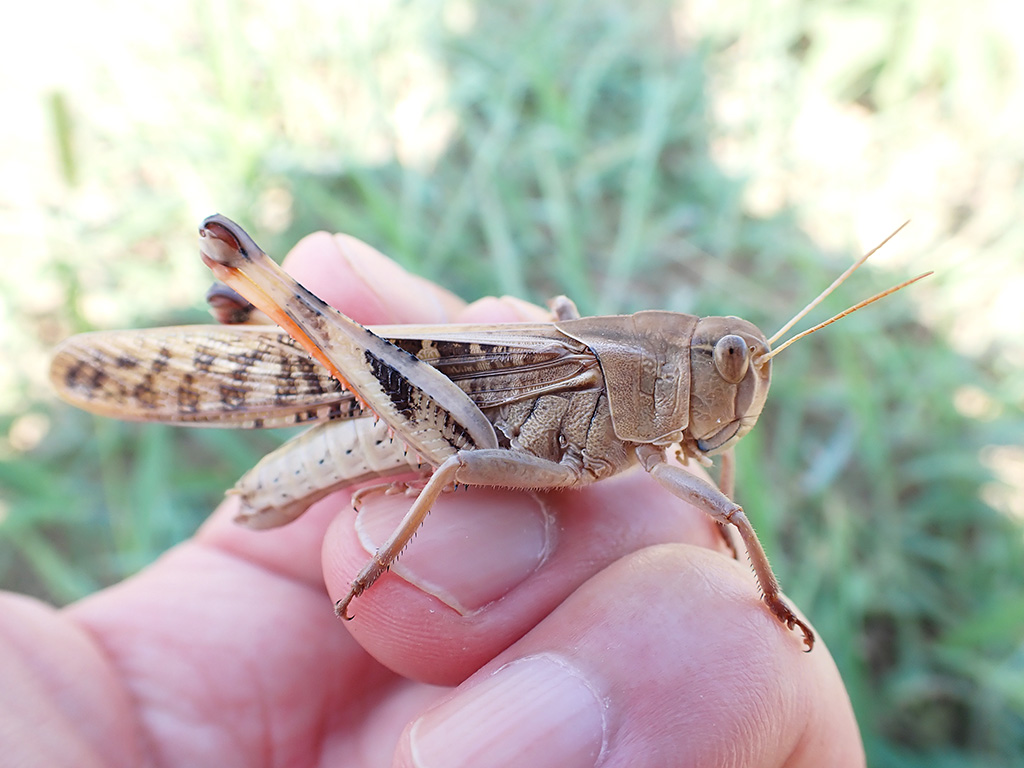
(237, 376)
(257, 376)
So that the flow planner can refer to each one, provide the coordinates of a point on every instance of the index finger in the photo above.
(367, 285)
(488, 563)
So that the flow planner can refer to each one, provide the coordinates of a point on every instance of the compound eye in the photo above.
(732, 358)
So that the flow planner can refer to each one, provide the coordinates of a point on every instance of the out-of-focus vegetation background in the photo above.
(696, 156)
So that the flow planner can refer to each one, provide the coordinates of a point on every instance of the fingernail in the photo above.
(474, 547)
(537, 711)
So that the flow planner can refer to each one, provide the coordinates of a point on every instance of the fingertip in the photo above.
(503, 309)
(367, 285)
(405, 621)
(522, 555)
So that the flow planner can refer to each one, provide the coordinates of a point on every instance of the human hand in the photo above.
(599, 626)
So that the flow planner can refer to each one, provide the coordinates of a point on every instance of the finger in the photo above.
(226, 660)
(489, 564)
(665, 656)
(366, 285)
(55, 675)
(506, 309)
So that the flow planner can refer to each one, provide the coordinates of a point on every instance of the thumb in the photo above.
(664, 658)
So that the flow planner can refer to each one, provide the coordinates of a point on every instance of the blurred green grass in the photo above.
(710, 160)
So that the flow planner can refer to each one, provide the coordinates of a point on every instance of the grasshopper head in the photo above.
(729, 384)
(731, 368)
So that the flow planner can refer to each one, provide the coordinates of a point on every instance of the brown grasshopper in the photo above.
(527, 405)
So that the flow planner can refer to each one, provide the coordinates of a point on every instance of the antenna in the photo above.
(835, 284)
(860, 305)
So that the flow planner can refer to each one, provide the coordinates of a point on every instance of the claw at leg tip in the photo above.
(341, 609)
(808, 637)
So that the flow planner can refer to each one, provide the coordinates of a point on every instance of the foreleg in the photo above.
(727, 485)
(721, 508)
